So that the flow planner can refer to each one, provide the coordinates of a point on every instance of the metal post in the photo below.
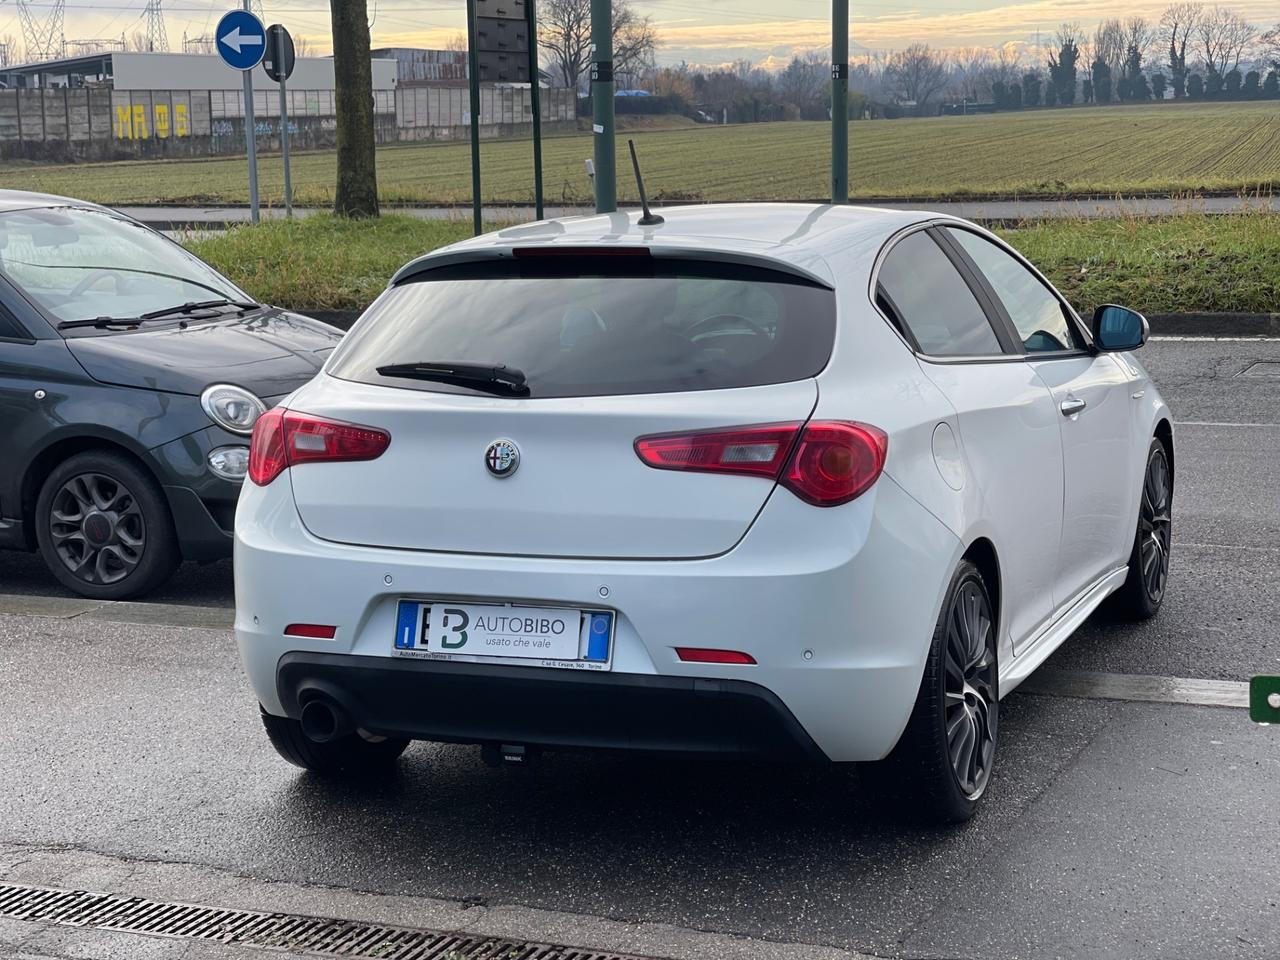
(284, 131)
(251, 139)
(602, 106)
(473, 71)
(839, 101)
(535, 96)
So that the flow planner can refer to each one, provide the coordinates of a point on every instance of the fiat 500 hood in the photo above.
(269, 353)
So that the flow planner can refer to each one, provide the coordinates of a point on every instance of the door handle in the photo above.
(1072, 406)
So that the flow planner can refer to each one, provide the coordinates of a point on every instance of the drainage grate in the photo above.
(293, 933)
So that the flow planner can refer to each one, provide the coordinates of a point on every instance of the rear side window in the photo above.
(920, 290)
(598, 326)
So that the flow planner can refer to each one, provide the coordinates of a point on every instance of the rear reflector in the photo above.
(704, 655)
(826, 463)
(315, 631)
(287, 438)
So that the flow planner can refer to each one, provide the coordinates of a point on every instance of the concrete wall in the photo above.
(69, 125)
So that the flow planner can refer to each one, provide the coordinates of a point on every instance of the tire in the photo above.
(1143, 591)
(103, 527)
(930, 774)
(351, 755)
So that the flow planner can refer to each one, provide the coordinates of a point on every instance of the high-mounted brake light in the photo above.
(550, 250)
(287, 438)
(825, 463)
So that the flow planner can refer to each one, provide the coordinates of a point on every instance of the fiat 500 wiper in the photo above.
(190, 307)
(494, 378)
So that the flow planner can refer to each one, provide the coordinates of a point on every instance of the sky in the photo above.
(701, 32)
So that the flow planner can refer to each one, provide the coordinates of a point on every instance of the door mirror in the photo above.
(1118, 328)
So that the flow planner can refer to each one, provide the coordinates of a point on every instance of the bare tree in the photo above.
(1178, 24)
(8, 49)
(1270, 42)
(1008, 65)
(301, 46)
(457, 43)
(974, 71)
(1138, 35)
(565, 32)
(1108, 57)
(1223, 35)
(919, 73)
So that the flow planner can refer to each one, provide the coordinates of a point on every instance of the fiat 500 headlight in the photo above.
(232, 408)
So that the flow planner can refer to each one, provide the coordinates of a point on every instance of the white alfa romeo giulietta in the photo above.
(797, 481)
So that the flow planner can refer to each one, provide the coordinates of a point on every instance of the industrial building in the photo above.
(118, 70)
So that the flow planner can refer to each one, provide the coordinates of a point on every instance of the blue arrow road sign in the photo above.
(241, 39)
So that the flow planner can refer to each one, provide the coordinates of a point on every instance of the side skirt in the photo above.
(1067, 621)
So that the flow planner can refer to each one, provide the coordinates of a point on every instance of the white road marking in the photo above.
(1221, 423)
(1175, 338)
(1095, 685)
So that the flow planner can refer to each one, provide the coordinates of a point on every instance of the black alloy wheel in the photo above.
(1155, 525)
(97, 528)
(103, 526)
(970, 706)
(1145, 587)
(942, 763)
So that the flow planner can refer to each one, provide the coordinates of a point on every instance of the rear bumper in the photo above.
(468, 703)
(836, 607)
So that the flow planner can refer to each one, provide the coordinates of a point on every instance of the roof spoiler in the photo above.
(434, 261)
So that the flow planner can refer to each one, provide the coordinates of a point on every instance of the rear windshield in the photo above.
(596, 326)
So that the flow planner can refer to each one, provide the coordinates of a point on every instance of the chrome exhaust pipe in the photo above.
(323, 722)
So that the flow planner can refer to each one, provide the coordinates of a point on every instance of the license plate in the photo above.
(543, 636)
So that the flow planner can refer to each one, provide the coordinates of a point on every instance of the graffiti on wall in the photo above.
(137, 122)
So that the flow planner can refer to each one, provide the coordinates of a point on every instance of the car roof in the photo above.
(26, 200)
(799, 236)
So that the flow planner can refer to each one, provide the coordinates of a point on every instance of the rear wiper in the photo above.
(493, 378)
(190, 307)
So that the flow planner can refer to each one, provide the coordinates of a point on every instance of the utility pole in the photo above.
(839, 101)
(602, 106)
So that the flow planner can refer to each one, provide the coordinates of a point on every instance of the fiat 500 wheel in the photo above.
(103, 527)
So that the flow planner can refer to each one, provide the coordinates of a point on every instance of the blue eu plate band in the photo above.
(598, 637)
(406, 624)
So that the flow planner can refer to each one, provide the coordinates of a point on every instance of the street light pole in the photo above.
(602, 106)
(839, 101)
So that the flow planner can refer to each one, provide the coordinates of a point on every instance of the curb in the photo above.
(1162, 324)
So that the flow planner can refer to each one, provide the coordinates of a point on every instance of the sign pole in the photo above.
(251, 137)
(840, 101)
(284, 151)
(535, 96)
(602, 106)
(473, 70)
(277, 61)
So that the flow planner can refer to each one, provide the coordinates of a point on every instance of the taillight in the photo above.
(287, 438)
(826, 463)
(836, 462)
(758, 451)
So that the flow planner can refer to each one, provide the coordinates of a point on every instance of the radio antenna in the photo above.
(650, 219)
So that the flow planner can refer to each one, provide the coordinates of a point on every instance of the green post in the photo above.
(535, 95)
(839, 101)
(602, 106)
(473, 73)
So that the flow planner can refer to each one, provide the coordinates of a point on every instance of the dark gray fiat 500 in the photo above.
(131, 375)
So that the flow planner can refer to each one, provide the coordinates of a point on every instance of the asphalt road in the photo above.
(131, 756)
